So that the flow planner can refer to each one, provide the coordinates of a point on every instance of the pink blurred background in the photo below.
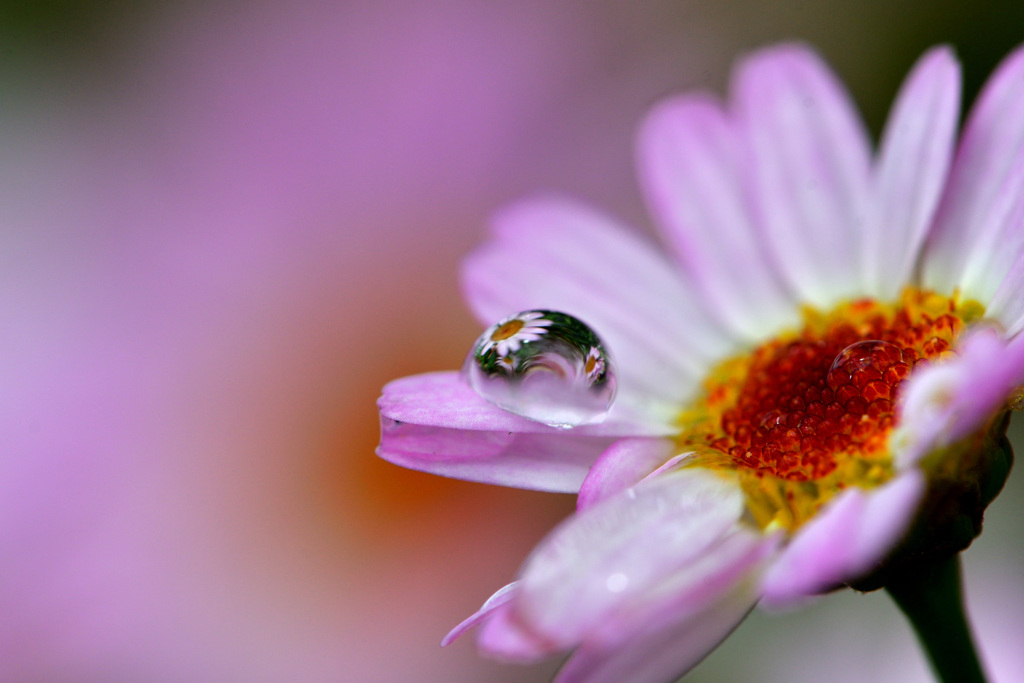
(225, 228)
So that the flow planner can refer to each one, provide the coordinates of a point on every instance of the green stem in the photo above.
(930, 596)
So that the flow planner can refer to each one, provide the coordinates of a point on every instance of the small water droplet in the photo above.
(863, 363)
(545, 366)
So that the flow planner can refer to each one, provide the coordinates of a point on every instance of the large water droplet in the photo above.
(546, 366)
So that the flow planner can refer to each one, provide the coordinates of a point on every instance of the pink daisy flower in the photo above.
(813, 379)
(508, 335)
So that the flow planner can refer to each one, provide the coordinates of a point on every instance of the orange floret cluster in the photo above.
(799, 405)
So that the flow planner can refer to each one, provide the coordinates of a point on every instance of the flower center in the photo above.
(507, 330)
(810, 412)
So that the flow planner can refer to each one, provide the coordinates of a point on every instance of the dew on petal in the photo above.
(545, 366)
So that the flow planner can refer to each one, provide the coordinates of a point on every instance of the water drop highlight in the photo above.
(545, 366)
(868, 363)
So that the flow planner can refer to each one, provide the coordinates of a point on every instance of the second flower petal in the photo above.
(681, 623)
(611, 555)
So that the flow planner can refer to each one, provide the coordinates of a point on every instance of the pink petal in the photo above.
(987, 268)
(437, 423)
(501, 597)
(444, 399)
(658, 655)
(680, 624)
(505, 639)
(887, 518)
(845, 541)
(624, 464)
(914, 160)
(979, 230)
(947, 401)
(611, 554)
(1007, 304)
(558, 254)
(810, 169)
(689, 164)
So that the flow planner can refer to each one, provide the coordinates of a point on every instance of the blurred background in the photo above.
(226, 225)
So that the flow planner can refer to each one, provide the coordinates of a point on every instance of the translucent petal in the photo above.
(690, 165)
(979, 229)
(914, 160)
(810, 169)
